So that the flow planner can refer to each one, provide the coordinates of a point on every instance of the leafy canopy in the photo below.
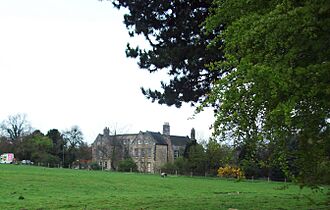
(278, 86)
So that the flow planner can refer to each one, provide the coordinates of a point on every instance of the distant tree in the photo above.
(58, 142)
(218, 155)
(84, 152)
(15, 127)
(196, 158)
(6, 145)
(182, 166)
(178, 45)
(116, 152)
(36, 147)
(43, 146)
(213, 156)
(73, 138)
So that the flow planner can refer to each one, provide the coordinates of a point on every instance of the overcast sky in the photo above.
(63, 63)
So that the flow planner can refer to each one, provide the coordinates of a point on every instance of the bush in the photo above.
(169, 168)
(94, 166)
(127, 165)
(181, 165)
(45, 158)
(230, 172)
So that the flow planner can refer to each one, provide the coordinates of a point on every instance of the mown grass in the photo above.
(29, 187)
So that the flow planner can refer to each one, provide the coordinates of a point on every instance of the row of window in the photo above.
(142, 152)
(139, 141)
(128, 142)
(103, 164)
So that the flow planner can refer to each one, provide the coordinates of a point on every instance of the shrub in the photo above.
(94, 166)
(169, 168)
(230, 172)
(127, 165)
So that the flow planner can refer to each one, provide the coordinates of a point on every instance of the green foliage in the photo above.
(127, 165)
(196, 158)
(35, 147)
(278, 81)
(45, 158)
(177, 45)
(169, 168)
(52, 188)
(218, 155)
(94, 166)
(58, 142)
(181, 165)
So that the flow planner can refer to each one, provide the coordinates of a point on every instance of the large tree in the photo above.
(73, 139)
(36, 147)
(58, 143)
(178, 45)
(278, 86)
(15, 127)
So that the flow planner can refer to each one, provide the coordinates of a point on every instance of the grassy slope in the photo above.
(45, 188)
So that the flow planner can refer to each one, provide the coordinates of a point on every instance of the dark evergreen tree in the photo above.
(178, 45)
(58, 142)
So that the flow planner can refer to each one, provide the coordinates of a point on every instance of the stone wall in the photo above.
(161, 156)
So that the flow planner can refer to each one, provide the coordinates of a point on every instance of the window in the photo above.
(176, 154)
(142, 152)
(149, 167)
(149, 152)
(136, 152)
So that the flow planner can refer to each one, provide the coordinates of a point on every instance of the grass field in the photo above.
(29, 187)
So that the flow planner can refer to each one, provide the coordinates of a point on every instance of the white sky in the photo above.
(63, 63)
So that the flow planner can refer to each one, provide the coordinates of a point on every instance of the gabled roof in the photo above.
(158, 137)
(176, 140)
(179, 140)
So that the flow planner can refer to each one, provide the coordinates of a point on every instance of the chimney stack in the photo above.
(166, 129)
(193, 134)
(106, 131)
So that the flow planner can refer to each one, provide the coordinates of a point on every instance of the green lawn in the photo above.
(29, 187)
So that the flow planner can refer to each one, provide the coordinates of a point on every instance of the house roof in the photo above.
(176, 140)
(158, 137)
(180, 140)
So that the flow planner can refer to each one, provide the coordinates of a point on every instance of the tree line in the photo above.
(205, 159)
(65, 148)
(55, 148)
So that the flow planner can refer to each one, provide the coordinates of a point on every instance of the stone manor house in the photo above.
(149, 150)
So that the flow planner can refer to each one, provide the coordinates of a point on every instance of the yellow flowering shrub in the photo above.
(230, 172)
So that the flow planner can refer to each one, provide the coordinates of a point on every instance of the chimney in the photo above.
(106, 131)
(166, 129)
(193, 134)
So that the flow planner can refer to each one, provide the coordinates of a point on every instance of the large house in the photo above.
(149, 150)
